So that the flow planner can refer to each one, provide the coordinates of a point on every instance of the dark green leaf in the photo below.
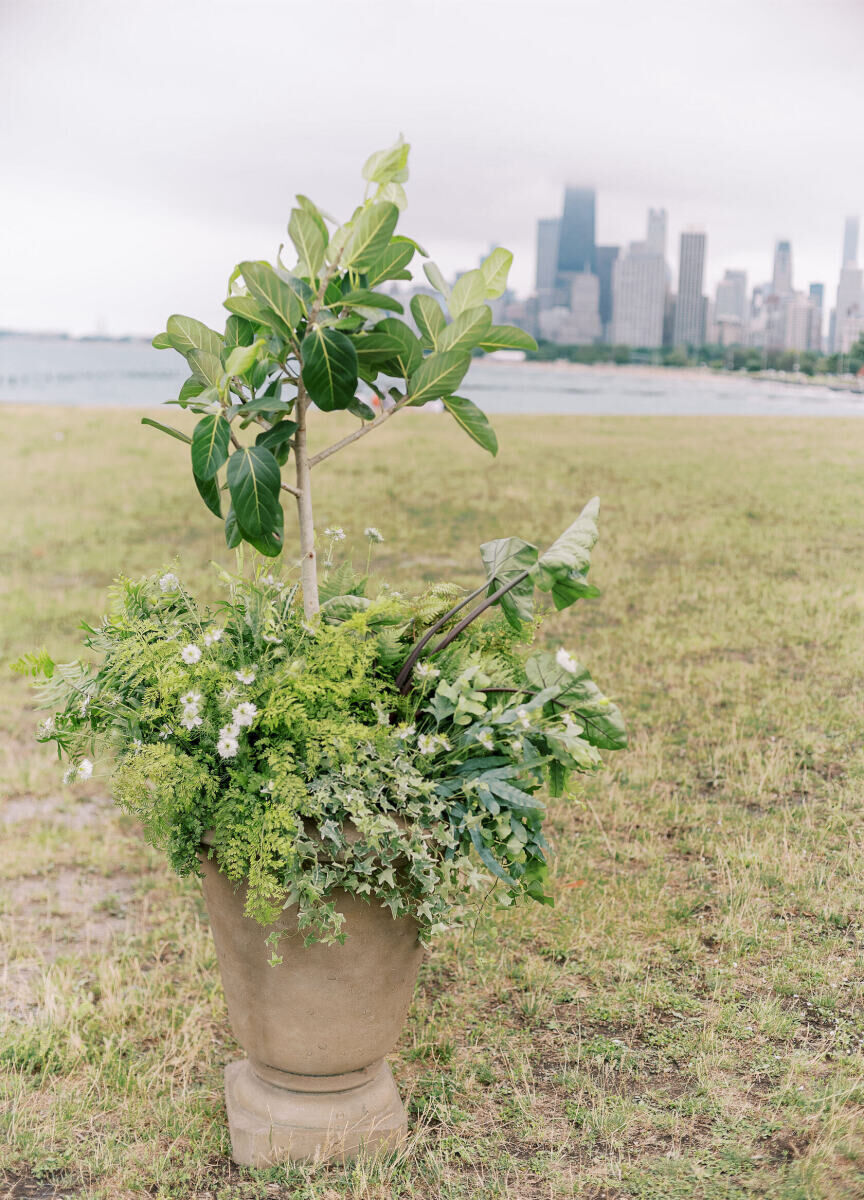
(377, 347)
(329, 367)
(602, 720)
(370, 235)
(571, 551)
(507, 337)
(361, 409)
(430, 320)
(208, 366)
(390, 264)
(268, 289)
(505, 559)
(169, 429)
(369, 300)
(277, 437)
(192, 387)
(438, 375)
(233, 533)
(473, 421)
(210, 445)
(269, 543)
(254, 481)
(208, 490)
(488, 858)
(188, 334)
(514, 797)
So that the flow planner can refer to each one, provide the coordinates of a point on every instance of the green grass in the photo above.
(686, 1022)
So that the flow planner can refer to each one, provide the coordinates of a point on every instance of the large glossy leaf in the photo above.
(410, 353)
(438, 375)
(210, 445)
(208, 490)
(429, 318)
(390, 263)
(571, 552)
(366, 298)
(242, 358)
(329, 368)
(602, 720)
(388, 166)
(277, 440)
(309, 241)
(162, 341)
(207, 366)
(507, 337)
(468, 330)
(433, 273)
(269, 543)
(469, 290)
(370, 235)
(191, 388)
(188, 334)
(238, 332)
(506, 559)
(250, 310)
(377, 347)
(473, 421)
(169, 429)
(254, 481)
(316, 214)
(495, 270)
(268, 289)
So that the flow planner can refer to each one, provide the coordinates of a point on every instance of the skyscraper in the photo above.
(547, 254)
(656, 239)
(817, 302)
(850, 243)
(689, 327)
(730, 308)
(606, 256)
(639, 297)
(782, 279)
(576, 249)
(849, 313)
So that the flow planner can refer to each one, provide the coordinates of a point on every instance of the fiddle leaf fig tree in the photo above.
(322, 336)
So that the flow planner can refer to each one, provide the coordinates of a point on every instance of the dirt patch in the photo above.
(27, 1187)
(64, 812)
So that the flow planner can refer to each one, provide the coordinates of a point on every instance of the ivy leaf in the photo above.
(210, 445)
(169, 429)
(390, 263)
(268, 289)
(329, 367)
(254, 481)
(208, 490)
(438, 375)
(473, 421)
(495, 269)
(505, 559)
(507, 337)
(469, 291)
(468, 330)
(488, 858)
(309, 241)
(370, 235)
(579, 694)
(571, 552)
(429, 318)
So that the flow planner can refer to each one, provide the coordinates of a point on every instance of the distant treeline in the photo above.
(730, 358)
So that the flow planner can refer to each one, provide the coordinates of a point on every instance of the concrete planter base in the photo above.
(315, 1028)
(273, 1121)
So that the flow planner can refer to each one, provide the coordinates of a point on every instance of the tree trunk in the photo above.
(308, 561)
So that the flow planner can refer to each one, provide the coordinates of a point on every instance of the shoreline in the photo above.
(837, 383)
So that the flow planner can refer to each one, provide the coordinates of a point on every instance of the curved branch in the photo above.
(358, 433)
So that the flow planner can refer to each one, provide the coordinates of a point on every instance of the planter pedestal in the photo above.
(272, 1120)
(316, 1027)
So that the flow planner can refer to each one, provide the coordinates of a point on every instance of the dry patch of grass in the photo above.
(687, 1022)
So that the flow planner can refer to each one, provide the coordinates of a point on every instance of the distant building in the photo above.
(730, 309)
(656, 236)
(548, 229)
(797, 322)
(689, 327)
(849, 311)
(579, 323)
(606, 257)
(781, 282)
(850, 242)
(576, 245)
(817, 304)
(639, 297)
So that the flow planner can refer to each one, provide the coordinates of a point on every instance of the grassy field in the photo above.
(686, 1022)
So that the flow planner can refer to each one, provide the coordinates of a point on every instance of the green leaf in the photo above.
(438, 375)
(507, 337)
(505, 559)
(409, 356)
(268, 289)
(305, 233)
(370, 235)
(468, 330)
(238, 332)
(601, 719)
(210, 445)
(254, 481)
(208, 366)
(495, 270)
(388, 166)
(439, 283)
(277, 437)
(377, 347)
(233, 532)
(514, 797)
(369, 299)
(191, 388)
(329, 368)
(390, 264)
(250, 310)
(393, 193)
(208, 490)
(488, 858)
(316, 214)
(169, 429)
(473, 421)
(571, 551)
(269, 543)
(263, 406)
(163, 341)
(469, 291)
(429, 318)
(188, 334)
(242, 358)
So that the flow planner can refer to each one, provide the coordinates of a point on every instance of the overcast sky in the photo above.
(146, 146)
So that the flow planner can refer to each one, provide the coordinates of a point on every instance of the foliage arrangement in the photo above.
(330, 733)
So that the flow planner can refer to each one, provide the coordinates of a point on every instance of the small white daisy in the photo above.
(69, 774)
(523, 717)
(247, 675)
(229, 731)
(229, 693)
(169, 582)
(425, 670)
(373, 534)
(211, 636)
(566, 661)
(442, 741)
(337, 534)
(227, 747)
(190, 698)
(244, 714)
(426, 744)
(405, 732)
(190, 654)
(486, 740)
(190, 719)
(45, 728)
(85, 769)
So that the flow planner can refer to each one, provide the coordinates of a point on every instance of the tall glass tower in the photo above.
(576, 248)
(689, 328)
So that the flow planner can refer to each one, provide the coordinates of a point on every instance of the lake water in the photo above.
(67, 372)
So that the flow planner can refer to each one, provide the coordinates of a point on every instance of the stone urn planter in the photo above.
(315, 1084)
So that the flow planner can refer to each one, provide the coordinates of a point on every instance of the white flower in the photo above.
(486, 740)
(426, 744)
(425, 670)
(381, 713)
(229, 731)
(247, 675)
(85, 768)
(268, 786)
(190, 719)
(405, 732)
(227, 747)
(571, 726)
(244, 714)
(337, 534)
(566, 661)
(169, 582)
(229, 693)
(524, 717)
(442, 741)
(373, 534)
(69, 774)
(190, 699)
(45, 728)
(190, 654)
(211, 636)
